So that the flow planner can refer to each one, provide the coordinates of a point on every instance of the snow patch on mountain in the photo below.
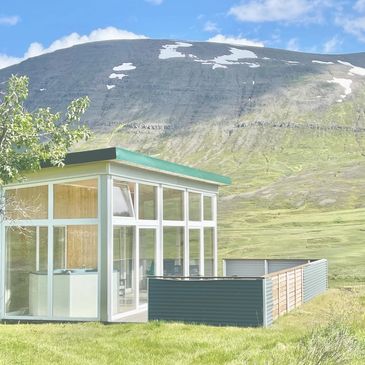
(322, 62)
(117, 76)
(345, 83)
(124, 67)
(355, 70)
(109, 87)
(217, 65)
(235, 55)
(170, 50)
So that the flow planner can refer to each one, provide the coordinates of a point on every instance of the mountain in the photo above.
(288, 127)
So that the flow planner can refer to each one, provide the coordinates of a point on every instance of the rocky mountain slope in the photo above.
(288, 127)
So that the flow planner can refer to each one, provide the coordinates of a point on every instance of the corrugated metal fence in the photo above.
(252, 300)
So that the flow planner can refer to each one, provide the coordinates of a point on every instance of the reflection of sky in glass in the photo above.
(122, 201)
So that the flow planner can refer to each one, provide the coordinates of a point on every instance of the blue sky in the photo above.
(30, 28)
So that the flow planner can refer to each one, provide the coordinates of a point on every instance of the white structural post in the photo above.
(50, 251)
(186, 235)
(105, 245)
(215, 251)
(159, 272)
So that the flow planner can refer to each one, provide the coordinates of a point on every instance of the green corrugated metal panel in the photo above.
(139, 159)
(216, 302)
(315, 280)
(268, 303)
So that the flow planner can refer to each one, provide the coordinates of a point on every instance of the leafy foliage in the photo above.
(29, 139)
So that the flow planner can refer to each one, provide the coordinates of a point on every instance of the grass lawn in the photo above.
(175, 343)
(337, 236)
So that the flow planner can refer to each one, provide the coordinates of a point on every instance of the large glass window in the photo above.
(147, 257)
(76, 199)
(194, 252)
(75, 271)
(27, 203)
(173, 204)
(173, 251)
(194, 207)
(123, 199)
(208, 251)
(147, 202)
(26, 271)
(208, 208)
(124, 274)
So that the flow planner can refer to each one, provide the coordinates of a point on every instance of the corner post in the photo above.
(105, 244)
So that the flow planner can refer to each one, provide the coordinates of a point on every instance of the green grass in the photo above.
(175, 343)
(335, 235)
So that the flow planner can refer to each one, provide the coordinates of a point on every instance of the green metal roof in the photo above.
(144, 161)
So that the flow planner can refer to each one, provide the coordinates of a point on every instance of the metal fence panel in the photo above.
(315, 280)
(216, 302)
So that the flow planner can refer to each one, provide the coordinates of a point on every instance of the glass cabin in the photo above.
(79, 242)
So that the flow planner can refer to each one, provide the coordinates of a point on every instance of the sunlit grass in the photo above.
(176, 343)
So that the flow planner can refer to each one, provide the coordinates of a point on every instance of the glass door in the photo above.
(147, 260)
(124, 273)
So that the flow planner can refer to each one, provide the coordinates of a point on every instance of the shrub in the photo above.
(332, 344)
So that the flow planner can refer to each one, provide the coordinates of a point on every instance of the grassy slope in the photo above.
(295, 193)
(172, 343)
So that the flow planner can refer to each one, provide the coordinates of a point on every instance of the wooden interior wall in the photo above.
(72, 202)
(287, 290)
(82, 247)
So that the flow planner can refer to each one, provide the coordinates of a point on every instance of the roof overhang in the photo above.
(137, 159)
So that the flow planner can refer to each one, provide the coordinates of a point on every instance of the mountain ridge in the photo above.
(288, 127)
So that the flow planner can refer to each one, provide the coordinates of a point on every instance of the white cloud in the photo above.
(220, 38)
(332, 45)
(211, 27)
(6, 60)
(354, 26)
(9, 20)
(100, 34)
(155, 2)
(360, 5)
(277, 10)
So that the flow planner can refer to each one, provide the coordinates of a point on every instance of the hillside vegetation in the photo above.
(295, 192)
(288, 127)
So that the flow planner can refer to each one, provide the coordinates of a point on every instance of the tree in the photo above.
(30, 139)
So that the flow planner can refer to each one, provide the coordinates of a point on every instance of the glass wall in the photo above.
(173, 204)
(173, 251)
(147, 202)
(149, 238)
(208, 208)
(27, 203)
(208, 251)
(194, 252)
(123, 199)
(124, 273)
(147, 260)
(194, 206)
(75, 271)
(76, 199)
(26, 271)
